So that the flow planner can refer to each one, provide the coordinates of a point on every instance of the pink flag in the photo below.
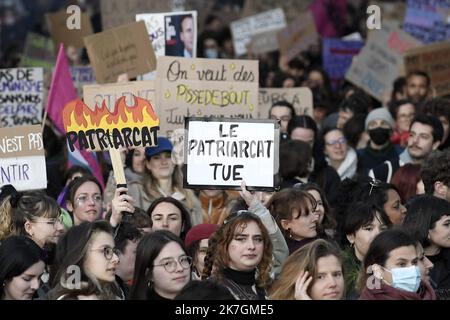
(62, 91)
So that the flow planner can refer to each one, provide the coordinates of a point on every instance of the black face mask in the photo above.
(379, 136)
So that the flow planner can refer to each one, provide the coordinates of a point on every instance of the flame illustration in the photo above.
(78, 116)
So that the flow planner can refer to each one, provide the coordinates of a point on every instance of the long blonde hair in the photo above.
(303, 259)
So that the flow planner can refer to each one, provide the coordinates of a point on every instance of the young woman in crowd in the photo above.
(163, 178)
(162, 267)
(21, 267)
(428, 220)
(338, 153)
(408, 182)
(88, 250)
(326, 225)
(84, 200)
(403, 112)
(313, 272)
(363, 222)
(170, 214)
(390, 269)
(197, 241)
(240, 255)
(296, 216)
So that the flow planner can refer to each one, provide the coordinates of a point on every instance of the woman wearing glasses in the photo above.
(240, 256)
(84, 200)
(338, 154)
(162, 267)
(86, 262)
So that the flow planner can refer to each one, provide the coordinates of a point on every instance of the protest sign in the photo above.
(330, 17)
(243, 29)
(291, 8)
(119, 12)
(38, 52)
(172, 34)
(434, 59)
(101, 129)
(109, 94)
(82, 76)
(222, 153)
(298, 36)
(205, 87)
(22, 158)
(380, 61)
(264, 42)
(21, 96)
(428, 21)
(57, 24)
(300, 98)
(124, 49)
(337, 57)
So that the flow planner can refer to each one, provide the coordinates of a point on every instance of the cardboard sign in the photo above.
(119, 12)
(172, 34)
(300, 98)
(22, 158)
(82, 76)
(291, 8)
(221, 153)
(337, 57)
(101, 129)
(264, 42)
(109, 94)
(205, 87)
(380, 61)
(427, 20)
(243, 29)
(329, 16)
(434, 59)
(57, 24)
(38, 52)
(298, 36)
(21, 96)
(125, 49)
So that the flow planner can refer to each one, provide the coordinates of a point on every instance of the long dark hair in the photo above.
(147, 250)
(71, 250)
(185, 216)
(17, 254)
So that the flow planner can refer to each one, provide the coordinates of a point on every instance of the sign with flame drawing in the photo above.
(101, 129)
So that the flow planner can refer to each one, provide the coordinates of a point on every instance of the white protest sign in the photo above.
(242, 30)
(222, 153)
(22, 158)
(21, 96)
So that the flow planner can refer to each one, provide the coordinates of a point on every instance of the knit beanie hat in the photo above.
(380, 113)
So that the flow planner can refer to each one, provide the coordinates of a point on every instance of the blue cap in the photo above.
(164, 144)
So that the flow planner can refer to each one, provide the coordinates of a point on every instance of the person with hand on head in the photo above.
(390, 269)
(240, 256)
(162, 267)
(84, 199)
(21, 267)
(313, 272)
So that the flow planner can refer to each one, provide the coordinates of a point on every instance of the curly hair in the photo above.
(217, 258)
(436, 168)
(6, 225)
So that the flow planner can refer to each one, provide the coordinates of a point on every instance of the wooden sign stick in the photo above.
(119, 173)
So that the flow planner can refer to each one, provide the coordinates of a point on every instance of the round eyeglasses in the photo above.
(171, 264)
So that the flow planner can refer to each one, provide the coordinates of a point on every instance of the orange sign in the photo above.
(101, 129)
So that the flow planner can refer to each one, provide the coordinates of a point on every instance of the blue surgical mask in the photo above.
(211, 53)
(407, 279)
